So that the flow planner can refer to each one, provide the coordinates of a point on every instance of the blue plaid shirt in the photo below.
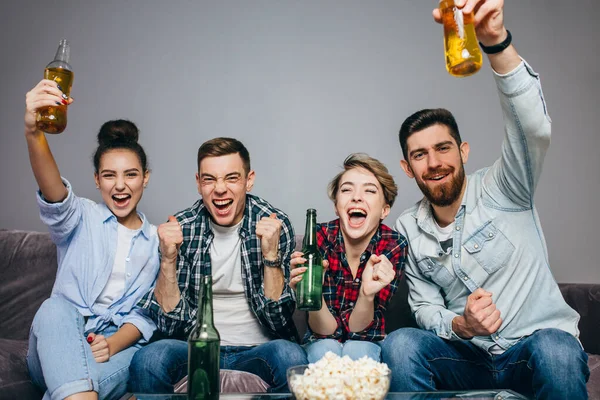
(193, 261)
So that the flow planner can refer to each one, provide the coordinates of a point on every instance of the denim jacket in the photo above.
(498, 244)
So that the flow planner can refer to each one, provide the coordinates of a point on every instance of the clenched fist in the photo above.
(170, 237)
(378, 273)
(268, 231)
(99, 347)
(481, 317)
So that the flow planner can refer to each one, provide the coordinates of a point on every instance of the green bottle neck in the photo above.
(207, 301)
(310, 232)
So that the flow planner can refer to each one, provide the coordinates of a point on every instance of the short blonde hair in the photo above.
(376, 167)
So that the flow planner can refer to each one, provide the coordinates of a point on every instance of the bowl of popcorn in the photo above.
(340, 378)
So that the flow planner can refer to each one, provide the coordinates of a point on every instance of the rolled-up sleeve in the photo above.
(62, 217)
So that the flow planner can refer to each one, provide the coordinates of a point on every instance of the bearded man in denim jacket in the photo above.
(480, 284)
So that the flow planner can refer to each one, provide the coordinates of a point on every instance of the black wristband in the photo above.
(497, 48)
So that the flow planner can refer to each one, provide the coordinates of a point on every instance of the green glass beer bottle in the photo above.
(203, 349)
(310, 289)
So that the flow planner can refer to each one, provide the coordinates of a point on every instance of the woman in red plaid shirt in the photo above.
(363, 260)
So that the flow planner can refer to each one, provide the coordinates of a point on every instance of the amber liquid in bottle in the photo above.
(463, 57)
(53, 119)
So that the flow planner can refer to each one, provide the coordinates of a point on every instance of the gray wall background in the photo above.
(302, 84)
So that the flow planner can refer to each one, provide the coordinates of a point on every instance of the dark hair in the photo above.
(424, 119)
(374, 166)
(119, 134)
(223, 146)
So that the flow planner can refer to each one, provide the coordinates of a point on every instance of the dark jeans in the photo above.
(549, 364)
(158, 366)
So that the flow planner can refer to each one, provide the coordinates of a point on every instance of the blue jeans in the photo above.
(160, 365)
(549, 364)
(60, 361)
(354, 349)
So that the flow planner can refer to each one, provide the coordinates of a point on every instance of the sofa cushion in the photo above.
(585, 298)
(233, 382)
(28, 269)
(14, 379)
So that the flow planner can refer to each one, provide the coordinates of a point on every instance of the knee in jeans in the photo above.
(404, 339)
(292, 352)
(54, 309)
(556, 346)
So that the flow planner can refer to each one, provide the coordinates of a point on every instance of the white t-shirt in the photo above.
(234, 319)
(115, 287)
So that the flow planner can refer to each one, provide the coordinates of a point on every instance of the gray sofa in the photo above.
(28, 268)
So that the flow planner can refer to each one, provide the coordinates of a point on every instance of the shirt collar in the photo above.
(201, 210)
(424, 213)
(334, 235)
(107, 216)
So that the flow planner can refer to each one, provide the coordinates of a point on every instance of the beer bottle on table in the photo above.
(53, 119)
(203, 349)
(310, 289)
(463, 57)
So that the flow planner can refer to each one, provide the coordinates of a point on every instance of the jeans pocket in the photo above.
(489, 247)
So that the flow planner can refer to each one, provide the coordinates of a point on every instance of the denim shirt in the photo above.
(498, 244)
(85, 234)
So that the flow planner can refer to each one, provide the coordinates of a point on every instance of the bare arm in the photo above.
(126, 336)
(274, 282)
(269, 230)
(42, 162)
(167, 288)
(363, 313)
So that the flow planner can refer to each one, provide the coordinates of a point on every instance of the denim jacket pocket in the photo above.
(435, 272)
(489, 247)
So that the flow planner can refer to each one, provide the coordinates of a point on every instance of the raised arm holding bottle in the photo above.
(480, 287)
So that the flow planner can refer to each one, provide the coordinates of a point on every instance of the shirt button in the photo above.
(466, 278)
(476, 246)
(491, 235)
(351, 304)
(497, 337)
(128, 274)
(458, 228)
(127, 259)
(357, 280)
(440, 254)
(456, 255)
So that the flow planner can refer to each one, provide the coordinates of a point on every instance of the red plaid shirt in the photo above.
(340, 289)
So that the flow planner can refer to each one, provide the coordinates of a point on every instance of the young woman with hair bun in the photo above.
(83, 337)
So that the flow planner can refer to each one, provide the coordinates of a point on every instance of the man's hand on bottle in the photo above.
(297, 270)
(45, 94)
(481, 317)
(378, 273)
(170, 237)
(489, 19)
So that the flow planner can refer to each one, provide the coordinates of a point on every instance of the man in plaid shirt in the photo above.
(245, 244)
(364, 260)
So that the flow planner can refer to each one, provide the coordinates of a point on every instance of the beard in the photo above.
(446, 194)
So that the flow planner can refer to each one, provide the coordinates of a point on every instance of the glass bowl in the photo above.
(337, 385)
